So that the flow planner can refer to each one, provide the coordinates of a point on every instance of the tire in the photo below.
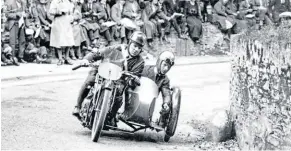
(99, 118)
(167, 138)
(174, 114)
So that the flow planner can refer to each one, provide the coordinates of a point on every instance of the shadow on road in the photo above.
(148, 136)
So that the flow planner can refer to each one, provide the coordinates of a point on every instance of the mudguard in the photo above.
(174, 114)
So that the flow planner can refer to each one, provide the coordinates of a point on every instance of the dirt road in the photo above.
(36, 114)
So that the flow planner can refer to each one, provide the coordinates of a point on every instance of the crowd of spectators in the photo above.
(32, 29)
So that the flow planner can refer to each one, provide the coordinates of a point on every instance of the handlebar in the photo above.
(131, 75)
(76, 67)
(79, 66)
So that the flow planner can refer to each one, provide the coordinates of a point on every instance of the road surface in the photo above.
(36, 113)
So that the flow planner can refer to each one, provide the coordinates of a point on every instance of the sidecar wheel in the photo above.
(167, 138)
(174, 114)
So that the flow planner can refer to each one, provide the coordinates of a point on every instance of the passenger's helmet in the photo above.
(166, 56)
(138, 37)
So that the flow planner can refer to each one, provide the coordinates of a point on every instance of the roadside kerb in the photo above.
(181, 61)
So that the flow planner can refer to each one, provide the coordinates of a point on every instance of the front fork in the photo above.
(101, 86)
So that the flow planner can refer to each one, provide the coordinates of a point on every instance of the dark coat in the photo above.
(169, 7)
(13, 9)
(43, 15)
(91, 21)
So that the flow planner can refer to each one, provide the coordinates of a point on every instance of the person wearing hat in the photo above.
(157, 73)
(134, 63)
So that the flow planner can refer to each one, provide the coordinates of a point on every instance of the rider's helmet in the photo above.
(138, 37)
(137, 41)
(165, 61)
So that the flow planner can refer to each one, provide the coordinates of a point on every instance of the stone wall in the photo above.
(260, 88)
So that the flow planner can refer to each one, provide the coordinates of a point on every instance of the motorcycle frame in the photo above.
(110, 85)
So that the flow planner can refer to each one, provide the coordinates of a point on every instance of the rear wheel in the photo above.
(100, 114)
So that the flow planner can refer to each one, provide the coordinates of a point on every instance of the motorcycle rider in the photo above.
(157, 73)
(135, 64)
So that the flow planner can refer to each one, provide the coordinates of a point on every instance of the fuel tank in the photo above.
(141, 102)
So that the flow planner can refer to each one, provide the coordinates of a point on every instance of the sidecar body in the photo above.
(141, 105)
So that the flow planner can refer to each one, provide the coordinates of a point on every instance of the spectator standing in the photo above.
(16, 17)
(79, 33)
(45, 21)
(61, 30)
(34, 22)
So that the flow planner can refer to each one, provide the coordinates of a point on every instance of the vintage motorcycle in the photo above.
(138, 111)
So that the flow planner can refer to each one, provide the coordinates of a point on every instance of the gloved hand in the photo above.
(134, 81)
(96, 64)
(84, 62)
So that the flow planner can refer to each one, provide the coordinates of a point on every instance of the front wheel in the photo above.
(100, 114)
